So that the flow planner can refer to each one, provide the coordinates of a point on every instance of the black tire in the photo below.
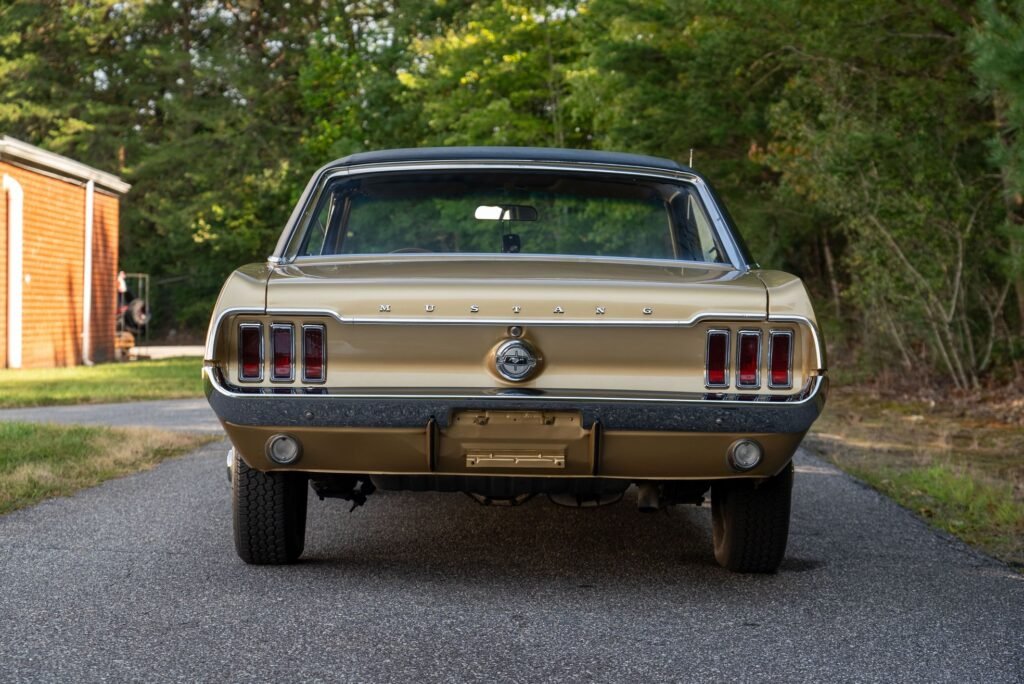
(269, 514)
(750, 522)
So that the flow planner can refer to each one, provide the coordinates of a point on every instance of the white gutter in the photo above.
(90, 189)
(15, 274)
(36, 158)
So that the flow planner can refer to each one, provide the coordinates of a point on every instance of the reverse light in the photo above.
(745, 454)
(716, 359)
(283, 449)
(282, 350)
(749, 376)
(780, 359)
(250, 352)
(314, 353)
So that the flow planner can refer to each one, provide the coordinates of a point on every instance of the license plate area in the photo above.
(516, 442)
(511, 458)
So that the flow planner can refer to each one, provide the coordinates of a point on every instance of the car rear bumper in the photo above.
(415, 408)
(637, 435)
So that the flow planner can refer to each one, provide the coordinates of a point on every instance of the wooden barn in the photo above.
(58, 258)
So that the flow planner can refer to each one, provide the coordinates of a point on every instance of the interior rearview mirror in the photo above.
(506, 212)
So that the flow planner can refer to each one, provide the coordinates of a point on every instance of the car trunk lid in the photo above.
(510, 288)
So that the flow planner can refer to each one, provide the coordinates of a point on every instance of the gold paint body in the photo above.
(427, 322)
(627, 454)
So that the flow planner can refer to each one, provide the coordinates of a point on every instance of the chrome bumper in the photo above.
(649, 411)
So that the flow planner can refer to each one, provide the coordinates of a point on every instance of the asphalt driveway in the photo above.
(194, 415)
(136, 580)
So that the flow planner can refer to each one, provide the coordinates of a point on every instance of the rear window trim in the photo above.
(288, 244)
(341, 201)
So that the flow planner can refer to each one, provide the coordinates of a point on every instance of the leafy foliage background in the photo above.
(874, 148)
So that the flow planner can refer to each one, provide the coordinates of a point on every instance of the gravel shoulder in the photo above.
(137, 580)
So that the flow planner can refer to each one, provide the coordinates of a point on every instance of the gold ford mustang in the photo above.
(508, 322)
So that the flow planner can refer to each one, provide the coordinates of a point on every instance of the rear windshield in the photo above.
(511, 212)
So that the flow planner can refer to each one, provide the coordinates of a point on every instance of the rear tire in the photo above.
(750, 522)
(269, 514)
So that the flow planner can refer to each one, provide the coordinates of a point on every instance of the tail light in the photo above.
(314, 354)
(282, 350)
(250, 352)
(749, 344)
(780, 359)
(716, 369)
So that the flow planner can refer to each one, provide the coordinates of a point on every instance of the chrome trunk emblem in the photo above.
(515, 360)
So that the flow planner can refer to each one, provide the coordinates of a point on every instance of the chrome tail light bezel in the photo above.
(242, 328)
(717, 332)
(274, 329)
(772, 336)
(322, 329)
(740, 337)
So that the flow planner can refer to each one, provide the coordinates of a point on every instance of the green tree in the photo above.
(997, 45)
(498, 76)
(878, 128)
(849, 139)
(195, 103)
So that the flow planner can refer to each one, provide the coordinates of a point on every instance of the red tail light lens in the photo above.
(750, 359)
(282, 348)
(780, 359)
(250, 352)
(313, 353)
(716, 369)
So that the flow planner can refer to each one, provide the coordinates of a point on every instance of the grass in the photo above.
(958, 465)
(174, 378)
(40, 461)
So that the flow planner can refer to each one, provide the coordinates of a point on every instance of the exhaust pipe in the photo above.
(648, 498)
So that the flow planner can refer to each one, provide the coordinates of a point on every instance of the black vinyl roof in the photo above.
(520, 154)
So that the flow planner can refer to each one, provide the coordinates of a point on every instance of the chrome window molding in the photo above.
(707, 354)
(728, 270)
(259, 328)
(287, 245)
(772, 335)
(323, 352)
(739, 350)
(274, 377)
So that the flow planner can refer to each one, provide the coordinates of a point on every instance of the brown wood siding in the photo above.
(106, 219)
(3, 270)
(54, 256)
